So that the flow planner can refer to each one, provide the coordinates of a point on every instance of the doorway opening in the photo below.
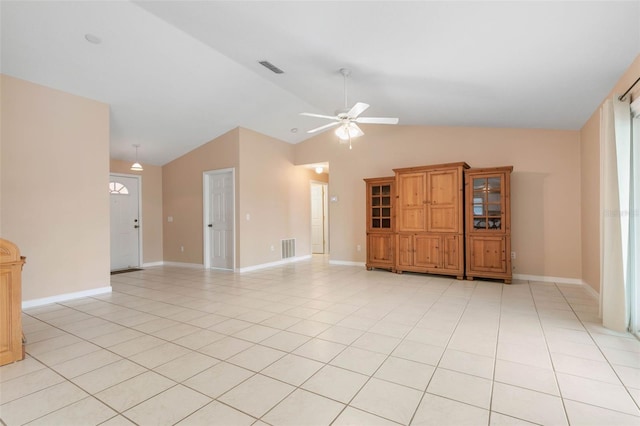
(219, 219)
(319, 218)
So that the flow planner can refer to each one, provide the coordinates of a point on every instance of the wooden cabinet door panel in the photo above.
(428, 253)
(488, 254)
(405, 250)
(411, 201)
(443, 201)
(9, 340)
(412, 219)
(380, 248)
(451, 251)
(442, 218)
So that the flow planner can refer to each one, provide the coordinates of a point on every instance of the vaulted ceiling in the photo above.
(177, 74)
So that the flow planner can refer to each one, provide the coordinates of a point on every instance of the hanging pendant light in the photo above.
(136, 167)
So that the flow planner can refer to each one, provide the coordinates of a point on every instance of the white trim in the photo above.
(206, 249)
(184, 265)
(271, 264)
(65, 297)
(140, 219)
(601, 205)
(151, 264)
(591, 291)
(635, 108)
(346, 263)
(559, 280)
(546, 279)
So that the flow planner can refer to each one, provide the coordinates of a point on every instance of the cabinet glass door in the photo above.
(381, 206)
(487, 203)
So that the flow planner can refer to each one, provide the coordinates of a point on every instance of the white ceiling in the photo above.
(180, 73)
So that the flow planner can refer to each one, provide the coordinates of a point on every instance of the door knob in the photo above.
(136, 226)
(210, 225)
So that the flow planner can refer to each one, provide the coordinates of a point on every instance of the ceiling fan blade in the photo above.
(310, 114)
(326, 126)
(357, 109)
(376, 120)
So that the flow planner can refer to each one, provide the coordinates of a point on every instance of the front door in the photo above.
(219, 226)
(125, 221)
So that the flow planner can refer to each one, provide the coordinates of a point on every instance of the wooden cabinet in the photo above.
(436, 253)
(430, 226)
(10, 303)
(380, 223)
(488, 227)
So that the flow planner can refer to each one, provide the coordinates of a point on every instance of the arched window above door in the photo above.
(118, 189)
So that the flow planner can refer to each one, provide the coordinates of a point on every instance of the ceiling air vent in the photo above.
(271, 67)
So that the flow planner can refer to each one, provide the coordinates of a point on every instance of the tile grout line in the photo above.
(495, 357)
(595, 342)
(152, 293)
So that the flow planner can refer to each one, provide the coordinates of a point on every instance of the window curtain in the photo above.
(618, 238)
(634, 220)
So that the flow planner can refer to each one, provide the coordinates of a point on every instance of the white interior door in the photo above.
(319, 228)
(219, 211)
(125, 221)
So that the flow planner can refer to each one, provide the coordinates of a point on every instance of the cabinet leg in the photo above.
(369, 268)
(460, 277)
(398, 272)
(470, 278)
(507, 281)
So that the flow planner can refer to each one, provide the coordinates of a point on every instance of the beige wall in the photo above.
(545, 184)
(590, 178)
(53, 187)
(276, 195)
(269, 188)
(182, 196)
(151, 207)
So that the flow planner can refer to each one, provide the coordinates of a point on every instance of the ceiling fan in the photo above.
(348, 119)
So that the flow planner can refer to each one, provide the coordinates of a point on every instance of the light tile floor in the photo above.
(316, 344)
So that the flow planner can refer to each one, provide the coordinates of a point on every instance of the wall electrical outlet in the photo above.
(272, 248)
(513, 255)
(358, 247)
(182, 248)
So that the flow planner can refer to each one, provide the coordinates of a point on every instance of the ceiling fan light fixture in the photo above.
(319, 170)
(346, 132)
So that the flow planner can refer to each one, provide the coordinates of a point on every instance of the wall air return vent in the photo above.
(268, 65)
(288, 248)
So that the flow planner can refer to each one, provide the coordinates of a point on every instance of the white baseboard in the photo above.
(65, 297)
(346, 263)
(151, 264)
(592, 291)
(271, 264)
(547, 279)
(559, 280)
(184, 265)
